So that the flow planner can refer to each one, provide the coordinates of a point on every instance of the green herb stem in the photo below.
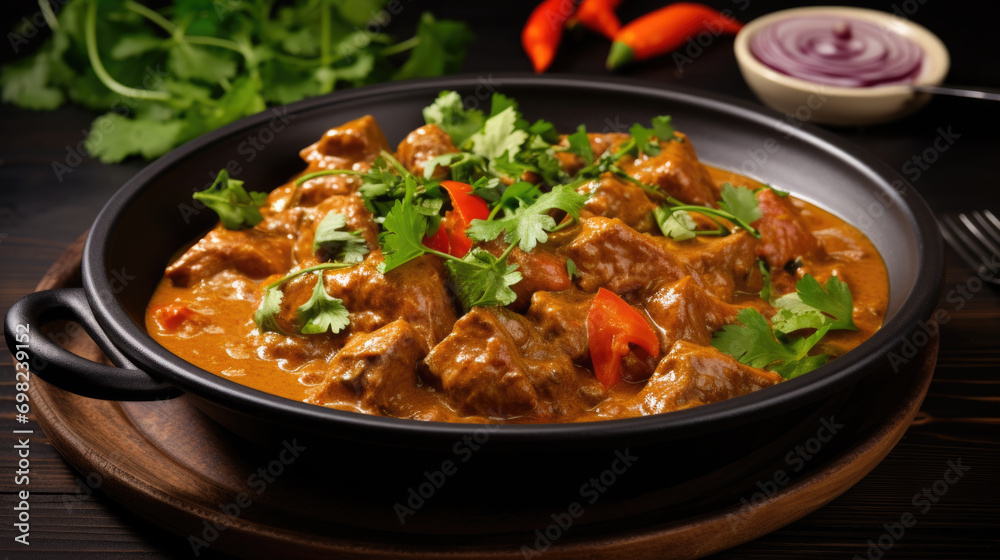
(90, 31)
(313, 268)
(151, 15)
(401, 46)
(310, 176)
(48, 14)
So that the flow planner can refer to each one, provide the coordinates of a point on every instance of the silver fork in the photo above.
(975, 236)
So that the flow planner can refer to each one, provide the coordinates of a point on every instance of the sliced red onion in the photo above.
(837, 51)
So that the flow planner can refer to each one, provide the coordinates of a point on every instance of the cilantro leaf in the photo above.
(663, 128)
(529, 225)
(483, 280)
(322, 312)
(752, 342)
(813, 306)
(677, 224)
(740, 202)
(114, 137)
(579, 144)
(449, 112)
(402, 240)
(498, 137)
(644, 140)
(571, 269)
(237, 209)
(440, 48)
(267, 312)
(345, 246)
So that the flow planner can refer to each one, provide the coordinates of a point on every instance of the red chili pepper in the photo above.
(543, 31)
(612, 325)
(666, 29)
(450, 237)
(599, 16)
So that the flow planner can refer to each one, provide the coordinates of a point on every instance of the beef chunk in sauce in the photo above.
(609, 254)
(414, 292)
(421, 146)
(353, 145)
(493, 365)
(784, 235)
(693, 375)
(683, 310)
(561, 320)
(254, 252)
(721, 265)
(612, 198)
(376, 370)
(677, 171)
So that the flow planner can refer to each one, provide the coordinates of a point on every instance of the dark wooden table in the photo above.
(42, 213)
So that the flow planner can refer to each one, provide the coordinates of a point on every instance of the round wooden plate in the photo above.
(169, 463)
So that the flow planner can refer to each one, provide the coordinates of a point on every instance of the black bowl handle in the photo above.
(62, 368)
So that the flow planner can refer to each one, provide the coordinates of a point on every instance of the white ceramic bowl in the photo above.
(836, 105)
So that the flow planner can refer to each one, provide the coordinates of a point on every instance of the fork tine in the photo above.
(968, 246)
(989, 219)
(984, 232)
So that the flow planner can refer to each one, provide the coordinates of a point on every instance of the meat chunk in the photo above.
(784, 235)
(492, 365)
(254, 252)
(677, 171)
(414, 292)
(377, 370)
(613, 198)
(692, 375)
(683, 310)
(720, 265)
(421, 146)
(609, 254)
(351, 207)
(360, 140)
(353, 145)
(561, 319)
(540, 270)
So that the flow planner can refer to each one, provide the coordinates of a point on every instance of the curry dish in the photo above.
(619, 298)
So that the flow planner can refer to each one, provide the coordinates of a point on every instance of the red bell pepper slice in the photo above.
(612, 325)
(450, 237)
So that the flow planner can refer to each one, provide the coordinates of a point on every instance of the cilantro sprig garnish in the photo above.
(237, 208)
(738, 206)
(757, 343)
(344, 246)
(480, 278)
(321, 309)
(530, 224)
(322, 312)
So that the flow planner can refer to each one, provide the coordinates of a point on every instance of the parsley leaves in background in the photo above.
(169, 75)
(759, 344)
(237, 209)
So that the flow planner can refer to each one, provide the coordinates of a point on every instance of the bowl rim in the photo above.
(932, 46)
(150, 356)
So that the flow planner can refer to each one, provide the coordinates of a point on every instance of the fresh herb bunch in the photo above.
(167, 76)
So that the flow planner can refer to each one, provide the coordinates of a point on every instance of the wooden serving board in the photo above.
(169, 463)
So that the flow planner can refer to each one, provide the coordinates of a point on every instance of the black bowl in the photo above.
(152, 216)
